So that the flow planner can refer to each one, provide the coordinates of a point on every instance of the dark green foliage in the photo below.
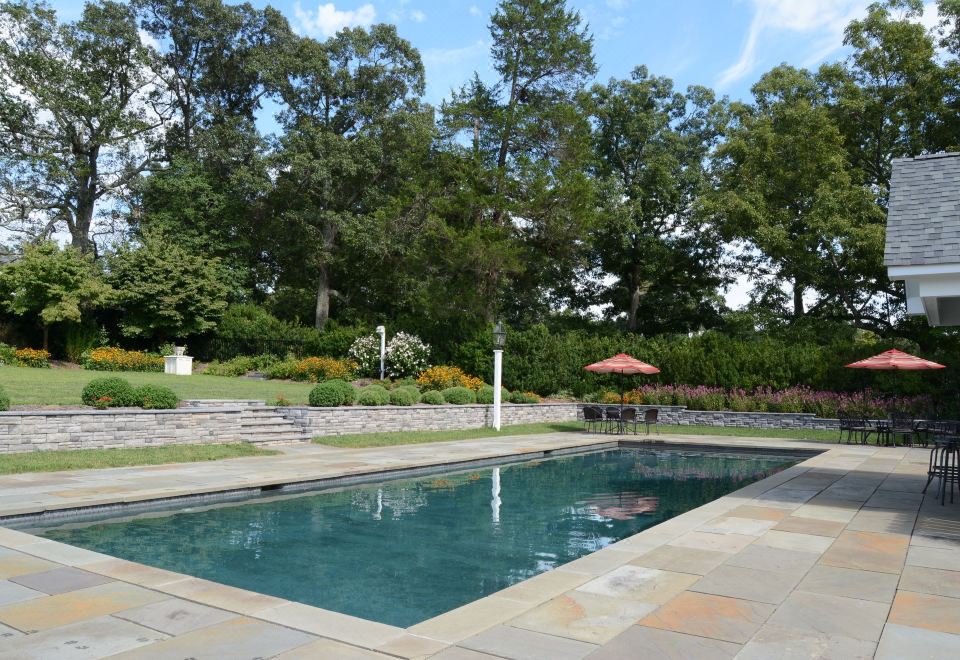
(109, 392)
(433, 398)
(347, 391)
(4, 399)
(156, 397)
(373, 395)
(326, 395)
(459, 395)
(401, 397)
(485, 394)
(409, 390)
(523, 397)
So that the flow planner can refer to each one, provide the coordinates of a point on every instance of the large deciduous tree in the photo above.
(78, 117)
(785, 188)
(352, 123)
(651, 149)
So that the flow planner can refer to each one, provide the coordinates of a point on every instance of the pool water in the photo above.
(403, 551)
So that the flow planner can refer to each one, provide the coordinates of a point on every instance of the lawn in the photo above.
(416, 437)
(85, 459)
(39, 387)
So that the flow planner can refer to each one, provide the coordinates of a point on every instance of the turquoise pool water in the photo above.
(403, 551)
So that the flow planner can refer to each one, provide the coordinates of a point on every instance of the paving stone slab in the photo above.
(584, 616)
(63, 609)
(883, 521)
(893, 501)
(926, 611)
(935, 581)
(737, 525)
(175, 616)
(850, 583)
(706, 615)
(412, 646)
(716, 542)
(96, 638)
(457, 653)
(832, 615)
(519, 644)
(774, 559)
(782, 643)
(868, 551)
(18, 563)
(328, 648)
(60, 580)
(643, 642)
(898, 642)
(648, 585)
(11, 592)
(238, 639)
(759, 512)
(942, 558)
(794, 541)
(680, 559)
(748, 583)
(813, 526)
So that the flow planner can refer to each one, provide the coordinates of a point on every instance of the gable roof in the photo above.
(923, 215)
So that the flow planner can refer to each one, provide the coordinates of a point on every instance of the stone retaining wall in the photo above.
(376, 419)
(681, 416)
(95, 429)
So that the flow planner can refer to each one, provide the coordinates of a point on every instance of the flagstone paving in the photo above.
(840, 556)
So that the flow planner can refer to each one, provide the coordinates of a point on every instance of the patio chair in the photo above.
(854, 427)
(944, 465)
(901, 425)
(612, 416)
(629, 418)
(592, 417)
(651, 417)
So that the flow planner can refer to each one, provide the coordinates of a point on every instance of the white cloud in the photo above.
(617, 4)
(475, 10)
(418, 16)
(823, 19)
(327, 20)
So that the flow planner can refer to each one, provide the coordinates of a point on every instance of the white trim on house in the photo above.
(933, 290)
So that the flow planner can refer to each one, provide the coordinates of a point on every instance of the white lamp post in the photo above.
(382, 331)
(499, 339)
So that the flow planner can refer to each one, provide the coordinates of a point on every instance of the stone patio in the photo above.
(839, 556)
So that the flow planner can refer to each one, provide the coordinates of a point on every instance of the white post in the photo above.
(497, 371)
(495, 495)
(382, 331)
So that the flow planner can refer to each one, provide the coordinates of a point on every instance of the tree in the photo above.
(166, 292)
(651, 146)
(353, 124)
(523, 146)
(785, 187)
(53, 285)
(78, 117)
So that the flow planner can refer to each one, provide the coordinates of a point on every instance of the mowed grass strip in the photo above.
(87, 459)
(62, 387)
(361, 440)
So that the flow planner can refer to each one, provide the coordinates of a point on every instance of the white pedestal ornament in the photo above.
(178, 364)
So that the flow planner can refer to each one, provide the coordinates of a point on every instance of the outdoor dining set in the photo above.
(619, 419)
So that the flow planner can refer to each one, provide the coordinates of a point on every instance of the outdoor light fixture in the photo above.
(499, 335)
(499, 339)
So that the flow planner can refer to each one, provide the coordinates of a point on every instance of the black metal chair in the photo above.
(629, 418)
(857, 428)
(944, 465)
(651, 417)
(592, 417)
(612, 415)
(901, 425)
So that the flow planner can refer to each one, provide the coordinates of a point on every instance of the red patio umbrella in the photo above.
(894, 360)
(624, 365)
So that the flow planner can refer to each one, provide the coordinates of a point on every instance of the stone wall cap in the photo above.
(117, 411)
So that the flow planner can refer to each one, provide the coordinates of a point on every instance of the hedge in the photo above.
(4, 400)
(156, 397)
(109, 392)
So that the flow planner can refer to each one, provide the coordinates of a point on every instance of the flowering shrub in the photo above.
(313, 369)
(365, 351)
(118, 359)
(32, 357)
(109, 392)
(406, 355)
(441, 378)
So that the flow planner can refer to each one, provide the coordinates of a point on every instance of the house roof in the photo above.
(923, 215)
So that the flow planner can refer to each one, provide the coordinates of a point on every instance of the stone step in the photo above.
(265, 421)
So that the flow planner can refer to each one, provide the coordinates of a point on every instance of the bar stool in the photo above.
(944, 465)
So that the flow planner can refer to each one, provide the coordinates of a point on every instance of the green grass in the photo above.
(417, 437)
(61, 387)
(85, 459)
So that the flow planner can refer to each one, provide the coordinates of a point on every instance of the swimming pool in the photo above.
(405, 550)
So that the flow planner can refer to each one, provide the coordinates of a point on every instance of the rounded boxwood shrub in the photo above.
(348, 392)
(485, 394)
(433, 398)
(109, 392)
(401, 397)
(459, 395)
(4, 400)
(326, 395)
(373, 395)
(412, 391)
(156, 397)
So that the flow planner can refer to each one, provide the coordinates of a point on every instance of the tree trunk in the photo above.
(798, 289)
(323, 298)
(633, 323)
(46, 337)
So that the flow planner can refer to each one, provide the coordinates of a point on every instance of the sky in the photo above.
(722, 44)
